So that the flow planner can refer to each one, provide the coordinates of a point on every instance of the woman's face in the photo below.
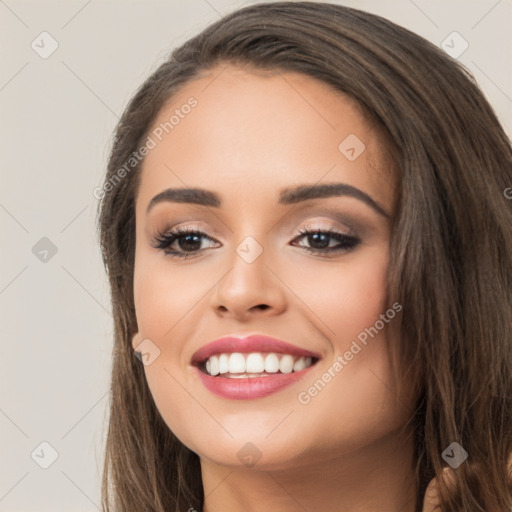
(252, 140)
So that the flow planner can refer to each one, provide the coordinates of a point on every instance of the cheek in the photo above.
(183, 414)
(351, 305)
(346, 297)
(163, 296)
(162, 300)
(348, 303)
(166, 302)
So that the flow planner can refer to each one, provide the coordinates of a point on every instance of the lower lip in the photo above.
(251, 387)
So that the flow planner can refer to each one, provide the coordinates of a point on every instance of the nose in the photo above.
(249, 290)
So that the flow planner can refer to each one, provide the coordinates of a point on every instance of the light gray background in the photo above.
(57, 116)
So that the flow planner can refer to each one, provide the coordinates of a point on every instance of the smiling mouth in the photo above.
(237, 365)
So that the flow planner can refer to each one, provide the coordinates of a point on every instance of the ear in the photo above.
(432, 502)
(135, 340)
(431, 498)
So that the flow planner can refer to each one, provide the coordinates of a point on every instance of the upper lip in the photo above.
(248, 344)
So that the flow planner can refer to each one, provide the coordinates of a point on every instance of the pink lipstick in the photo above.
(251, 367)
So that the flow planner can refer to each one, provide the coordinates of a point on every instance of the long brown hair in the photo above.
(451, 246)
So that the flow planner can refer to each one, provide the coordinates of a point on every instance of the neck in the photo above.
(376, 478)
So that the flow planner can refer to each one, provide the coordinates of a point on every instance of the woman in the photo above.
(308, 236)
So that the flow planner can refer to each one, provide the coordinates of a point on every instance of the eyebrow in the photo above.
(287, 196)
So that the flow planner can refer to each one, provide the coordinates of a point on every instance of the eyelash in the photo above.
(163, 241)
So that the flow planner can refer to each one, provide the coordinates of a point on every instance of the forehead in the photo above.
(255, 132)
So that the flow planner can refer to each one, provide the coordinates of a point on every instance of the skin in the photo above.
(251, 135)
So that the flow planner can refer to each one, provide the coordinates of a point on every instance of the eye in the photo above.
(188, 241)
(320, 241)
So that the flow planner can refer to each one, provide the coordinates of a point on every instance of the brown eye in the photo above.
(319, 241)
(188, 242)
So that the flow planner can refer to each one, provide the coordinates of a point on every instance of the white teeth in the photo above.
(214, 365)
(255, 364)
(271, 363)
(236, 363)
(223, 363)
(286, 364)
(300, 364)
